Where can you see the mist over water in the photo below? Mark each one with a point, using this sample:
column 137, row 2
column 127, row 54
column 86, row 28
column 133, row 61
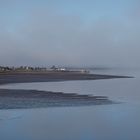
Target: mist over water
column 44, row 33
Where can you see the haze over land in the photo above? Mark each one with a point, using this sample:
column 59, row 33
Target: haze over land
column 77, row 33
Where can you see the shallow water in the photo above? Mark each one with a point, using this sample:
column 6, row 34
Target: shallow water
column 111, row 122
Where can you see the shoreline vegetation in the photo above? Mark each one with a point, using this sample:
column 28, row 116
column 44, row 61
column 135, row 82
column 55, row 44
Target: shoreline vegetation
column 23, row 99
column 29, row 69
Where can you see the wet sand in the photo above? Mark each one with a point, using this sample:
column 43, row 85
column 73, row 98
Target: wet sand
column 23, row 99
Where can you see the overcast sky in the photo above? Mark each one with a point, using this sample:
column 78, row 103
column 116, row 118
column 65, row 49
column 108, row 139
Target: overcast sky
column 70, row 32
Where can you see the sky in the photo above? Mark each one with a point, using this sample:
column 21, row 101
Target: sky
column 70, row 33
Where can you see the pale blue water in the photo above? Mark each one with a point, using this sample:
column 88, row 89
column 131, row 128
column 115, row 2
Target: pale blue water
column 106, row 122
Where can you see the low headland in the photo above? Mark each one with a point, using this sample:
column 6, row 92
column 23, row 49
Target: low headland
column 18, row 99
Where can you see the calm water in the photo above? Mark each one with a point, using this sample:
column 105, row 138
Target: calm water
column 106, row 122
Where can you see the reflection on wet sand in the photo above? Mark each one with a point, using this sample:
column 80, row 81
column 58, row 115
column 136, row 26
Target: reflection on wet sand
column 18, row 99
